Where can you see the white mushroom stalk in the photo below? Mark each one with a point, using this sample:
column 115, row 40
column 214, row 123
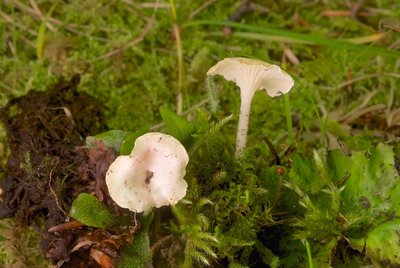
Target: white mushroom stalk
column 151, row 176
column 251, row 75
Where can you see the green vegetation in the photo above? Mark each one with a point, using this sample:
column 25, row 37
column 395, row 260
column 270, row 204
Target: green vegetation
column 318, row 185
column 19, row 246
column 83, row 209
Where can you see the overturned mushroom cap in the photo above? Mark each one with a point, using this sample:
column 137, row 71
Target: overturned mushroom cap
column 151, row 176
column 251, row 75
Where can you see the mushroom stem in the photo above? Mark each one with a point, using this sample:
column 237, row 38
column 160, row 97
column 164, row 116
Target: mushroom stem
column 251, row 75
column 241, row 135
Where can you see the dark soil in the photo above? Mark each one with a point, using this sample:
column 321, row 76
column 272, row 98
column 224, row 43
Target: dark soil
column 49, row 166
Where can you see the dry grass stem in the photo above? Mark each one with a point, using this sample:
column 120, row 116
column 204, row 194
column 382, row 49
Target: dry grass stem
column 40, row 15
column 150, row 24
column 201, row 8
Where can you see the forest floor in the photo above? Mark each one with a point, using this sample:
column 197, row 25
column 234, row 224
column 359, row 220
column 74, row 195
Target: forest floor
column 317, row 186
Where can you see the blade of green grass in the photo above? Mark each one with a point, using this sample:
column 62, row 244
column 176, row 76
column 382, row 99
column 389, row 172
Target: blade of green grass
column 179, row 52
column 262, row 37
column 309, row 255
column 256, row 32
column 42, row 33
column 288, row 113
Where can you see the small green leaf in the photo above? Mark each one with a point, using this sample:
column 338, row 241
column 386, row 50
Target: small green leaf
column 382, row 244
column 395, row 197
column 367, row 190
column 87, row 209
column 138, row 254
column 177, row 126
column 338, row 166
column 129, row 142
column 112, row 138
column 364, row 192
column 304, row 174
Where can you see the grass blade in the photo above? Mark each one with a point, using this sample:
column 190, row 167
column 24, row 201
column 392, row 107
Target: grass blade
column 296, row 37
column 42, row 32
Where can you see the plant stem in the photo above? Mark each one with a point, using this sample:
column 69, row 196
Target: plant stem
column 278, row 192
column 177, row 34
column 42, row 32
column 310, row 261
column 322, row 121
column 288, row 118
column 241, row 135
column 157, row 224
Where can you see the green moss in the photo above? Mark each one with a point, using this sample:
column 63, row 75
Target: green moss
column 19, row 246
column 141, row 76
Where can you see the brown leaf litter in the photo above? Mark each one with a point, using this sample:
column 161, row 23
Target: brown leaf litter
column 49, row 166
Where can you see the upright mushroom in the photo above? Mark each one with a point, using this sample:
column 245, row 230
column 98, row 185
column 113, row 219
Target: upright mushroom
column 251, row 75
column 151, row 176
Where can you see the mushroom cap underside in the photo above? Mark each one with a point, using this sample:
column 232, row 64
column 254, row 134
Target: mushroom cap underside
column 252, row 75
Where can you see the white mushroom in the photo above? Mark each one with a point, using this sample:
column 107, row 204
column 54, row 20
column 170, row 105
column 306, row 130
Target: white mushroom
column 251, row 75
column 151, row 176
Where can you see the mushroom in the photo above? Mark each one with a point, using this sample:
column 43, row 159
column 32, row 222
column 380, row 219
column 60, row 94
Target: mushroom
column 251, row 75
column 151, row 176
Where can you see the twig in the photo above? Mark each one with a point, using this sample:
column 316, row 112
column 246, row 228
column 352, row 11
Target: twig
column 274, row 152
column 8, row 19
column 147, row 5
column 148, row 27
column 352, row 81
column 6, row 87
column 278, row 191
column 393, row 75
column 363, row 104
column 239, row 13
column 242, row 10
column 395, row 45
column 40, row 15
column 154, row 5
column 356, row 7
column 280, row 171
column 160, row 242
column 364, row 77
column 70, row 27
column 65, row 226
column 392, row 27
column 201, row 8
column 281, row 222
column 52, row 191
column 290, row 54
column 361, row 112
column 348, row 78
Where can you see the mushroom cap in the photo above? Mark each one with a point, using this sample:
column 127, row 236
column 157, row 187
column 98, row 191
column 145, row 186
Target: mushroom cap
column 151, row 176
column 252, row 75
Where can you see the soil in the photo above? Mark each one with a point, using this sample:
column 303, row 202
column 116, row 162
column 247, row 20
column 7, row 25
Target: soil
column 49, row 166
